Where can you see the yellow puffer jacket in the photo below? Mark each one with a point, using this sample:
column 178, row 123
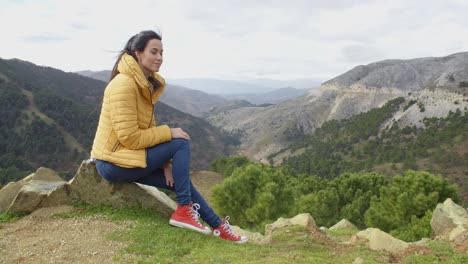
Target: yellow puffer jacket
column 126, row 124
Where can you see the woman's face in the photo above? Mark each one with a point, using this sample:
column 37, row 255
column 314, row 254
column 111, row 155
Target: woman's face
column 151, row 59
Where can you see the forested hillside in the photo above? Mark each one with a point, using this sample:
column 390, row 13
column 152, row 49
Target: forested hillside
column 49, row 118
column 368, row 142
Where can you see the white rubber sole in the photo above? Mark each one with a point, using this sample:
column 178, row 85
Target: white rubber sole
column 205, row 231
column 242, row 241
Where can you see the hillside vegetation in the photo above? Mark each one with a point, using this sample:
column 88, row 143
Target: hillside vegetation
column 256, row 194
column 369, row 142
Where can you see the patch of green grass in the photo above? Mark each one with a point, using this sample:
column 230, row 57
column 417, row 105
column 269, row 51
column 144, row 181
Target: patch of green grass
column 345, row 232
column 442, row 252
column 8, row 218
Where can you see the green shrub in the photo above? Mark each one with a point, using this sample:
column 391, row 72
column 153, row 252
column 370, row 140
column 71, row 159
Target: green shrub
column 254, row 195
column 407, row 199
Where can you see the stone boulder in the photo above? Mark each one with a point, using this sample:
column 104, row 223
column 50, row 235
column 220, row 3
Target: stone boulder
column 253, row 237
column 342, row 225
column 11, row 202
column 450, row 222
column 44, row 174
column 379, row 240
column 45, row 188
column 305, row 220
column 88, row 186
column 37, row 194
column 8, row 194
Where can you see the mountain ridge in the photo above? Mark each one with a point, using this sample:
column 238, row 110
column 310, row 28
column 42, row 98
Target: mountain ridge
column 351, row 93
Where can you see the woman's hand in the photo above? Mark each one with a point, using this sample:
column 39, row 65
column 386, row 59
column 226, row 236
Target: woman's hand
column 168, row 174
column 179, row 133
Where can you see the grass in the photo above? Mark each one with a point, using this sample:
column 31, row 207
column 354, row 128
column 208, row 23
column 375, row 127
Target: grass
column 8, row 218
column 345, row 232
column 152, row 240
column 442, row 252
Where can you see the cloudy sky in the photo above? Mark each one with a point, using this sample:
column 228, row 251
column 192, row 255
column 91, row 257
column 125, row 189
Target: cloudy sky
column 294, row 39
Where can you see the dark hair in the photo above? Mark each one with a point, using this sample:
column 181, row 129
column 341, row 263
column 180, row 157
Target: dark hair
column 137, row 43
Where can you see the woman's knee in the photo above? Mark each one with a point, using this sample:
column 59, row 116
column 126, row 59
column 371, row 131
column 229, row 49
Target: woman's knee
column 183, row 143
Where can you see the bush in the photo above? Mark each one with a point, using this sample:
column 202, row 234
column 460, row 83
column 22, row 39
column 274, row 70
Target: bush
column 416, row 229
column 403, row 205
column 227, row 165
column 254, row 195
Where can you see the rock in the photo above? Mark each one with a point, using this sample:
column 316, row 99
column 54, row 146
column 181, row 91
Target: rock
column 323, row 228
column 266, row 240
column 45, row 174
column 450, row 222
column 36, row 194
column 253, row 237
column 48, row 211
column 8, row 194
column 342, row 224
column 90, row 187
column 305, row 220
column 358, row 260
column 379, row 240
column 449, row 219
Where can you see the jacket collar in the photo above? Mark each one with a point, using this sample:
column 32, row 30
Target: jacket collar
column 129, row 66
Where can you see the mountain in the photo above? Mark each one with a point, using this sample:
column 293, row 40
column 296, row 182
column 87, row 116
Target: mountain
column 221, row 87
column 436, row 85
column 197, row 96
column 193, row 102
column 98, row 75
column 49, row 118
column 273, row 97
column 408, row 75
column 277, row 84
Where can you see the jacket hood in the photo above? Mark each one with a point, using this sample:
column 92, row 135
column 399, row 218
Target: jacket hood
column 129, row 66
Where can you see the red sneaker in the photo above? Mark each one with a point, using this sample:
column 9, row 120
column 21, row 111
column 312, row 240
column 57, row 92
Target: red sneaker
column 186, row 216
column 224, row 231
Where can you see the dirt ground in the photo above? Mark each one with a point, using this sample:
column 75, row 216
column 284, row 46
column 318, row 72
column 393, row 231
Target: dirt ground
column 40, row 239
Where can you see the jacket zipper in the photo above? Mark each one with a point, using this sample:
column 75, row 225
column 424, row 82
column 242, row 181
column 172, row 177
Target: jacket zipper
column 115, row 146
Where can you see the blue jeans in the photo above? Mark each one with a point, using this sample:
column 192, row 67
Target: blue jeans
column 179, row 151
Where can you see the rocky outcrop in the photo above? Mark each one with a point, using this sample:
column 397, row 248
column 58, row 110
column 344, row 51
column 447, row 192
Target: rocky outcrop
column 408, row 75
column 8, row 194
column 342, row 224
column 450, row 222
column 37, row 194
column 379, row 240
column 45, row 188
column 305, row 220
column 90, row 187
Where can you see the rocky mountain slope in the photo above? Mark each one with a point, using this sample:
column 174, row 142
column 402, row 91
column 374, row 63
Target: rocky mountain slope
column 274, row 97
column 437, row 84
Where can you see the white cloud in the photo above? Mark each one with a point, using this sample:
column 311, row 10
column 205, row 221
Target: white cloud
column 242, row 39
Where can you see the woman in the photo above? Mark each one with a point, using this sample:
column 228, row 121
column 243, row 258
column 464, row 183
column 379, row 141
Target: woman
column 129, row 147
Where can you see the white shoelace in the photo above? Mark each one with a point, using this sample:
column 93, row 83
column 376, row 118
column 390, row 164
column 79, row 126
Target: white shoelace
column 195, row 214
column 227, row 226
